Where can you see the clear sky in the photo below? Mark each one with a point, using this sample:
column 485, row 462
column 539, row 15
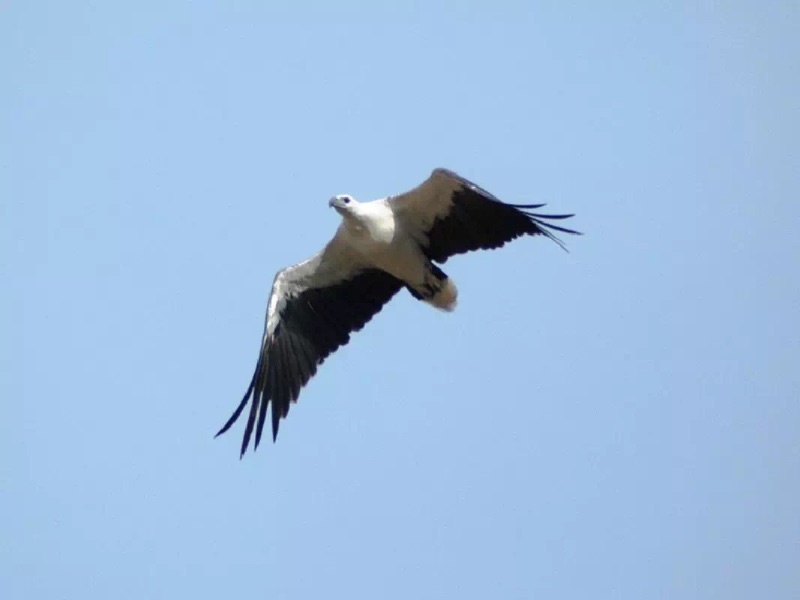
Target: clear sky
column 619, row 421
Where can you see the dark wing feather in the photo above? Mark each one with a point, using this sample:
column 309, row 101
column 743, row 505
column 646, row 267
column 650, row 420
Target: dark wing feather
column 452, row 215
column 312, row 324
column 478, row 222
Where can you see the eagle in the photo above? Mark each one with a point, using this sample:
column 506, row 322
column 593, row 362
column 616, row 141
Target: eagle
column 380, row 247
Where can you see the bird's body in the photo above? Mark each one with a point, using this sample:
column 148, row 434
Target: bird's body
column 380, row 247
column 379, row 238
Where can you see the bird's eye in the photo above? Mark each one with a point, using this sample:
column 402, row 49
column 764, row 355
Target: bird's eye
column 346, row 200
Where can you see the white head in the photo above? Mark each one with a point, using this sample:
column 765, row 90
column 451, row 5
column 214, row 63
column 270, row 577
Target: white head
column 344, row 204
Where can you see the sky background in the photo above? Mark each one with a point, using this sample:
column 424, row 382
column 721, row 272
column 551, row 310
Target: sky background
column 619, row 421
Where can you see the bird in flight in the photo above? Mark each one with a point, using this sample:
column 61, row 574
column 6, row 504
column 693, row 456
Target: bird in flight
column 379, row 248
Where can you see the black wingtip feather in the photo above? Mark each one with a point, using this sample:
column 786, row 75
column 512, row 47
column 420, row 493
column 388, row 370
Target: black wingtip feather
column 276, row 422
column 262, row 413
column 251, row 421
column 542, row 227
column 240, row 408
column 541, row 216
column 563, row 229
column 527, row 206
column 538, row 220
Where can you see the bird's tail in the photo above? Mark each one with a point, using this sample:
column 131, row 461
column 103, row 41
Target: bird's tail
column 446, row 297
column 438, row 289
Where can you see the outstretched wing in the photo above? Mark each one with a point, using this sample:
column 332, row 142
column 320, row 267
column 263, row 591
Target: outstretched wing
column 313, row 309
column 449, row 215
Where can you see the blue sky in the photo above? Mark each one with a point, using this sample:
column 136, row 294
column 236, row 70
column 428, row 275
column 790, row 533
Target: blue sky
column 619, row 421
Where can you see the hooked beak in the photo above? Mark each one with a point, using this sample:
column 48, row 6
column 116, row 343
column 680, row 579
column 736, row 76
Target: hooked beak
column 332, row 202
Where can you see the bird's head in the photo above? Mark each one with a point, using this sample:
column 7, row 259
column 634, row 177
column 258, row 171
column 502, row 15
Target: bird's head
column 343, row 203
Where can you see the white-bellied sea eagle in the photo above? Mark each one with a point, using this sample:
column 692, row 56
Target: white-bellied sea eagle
column 379, row 248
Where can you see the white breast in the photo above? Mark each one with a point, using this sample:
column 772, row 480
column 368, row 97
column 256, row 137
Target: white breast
column 378, row 219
